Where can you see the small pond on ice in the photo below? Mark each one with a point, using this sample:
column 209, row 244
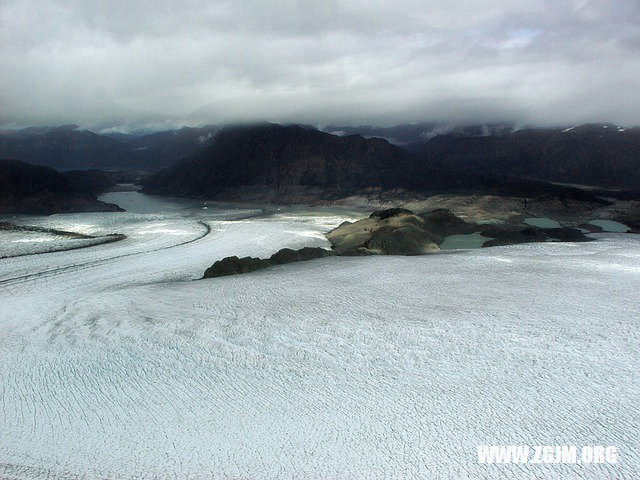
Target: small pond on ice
column 542, row 222
column 472, row 240
column 610, row 226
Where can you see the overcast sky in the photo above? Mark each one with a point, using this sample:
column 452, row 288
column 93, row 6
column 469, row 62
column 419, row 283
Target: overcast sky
column 99, row 63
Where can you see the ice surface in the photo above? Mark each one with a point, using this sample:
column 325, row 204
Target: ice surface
column 115, row 363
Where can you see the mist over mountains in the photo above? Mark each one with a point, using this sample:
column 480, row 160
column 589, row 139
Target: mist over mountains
column 69, row 147
column 592, row 154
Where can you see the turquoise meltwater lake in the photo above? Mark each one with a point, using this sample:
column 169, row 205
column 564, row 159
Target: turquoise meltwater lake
column 610, row 226
column 472, row 240
column 542, row 222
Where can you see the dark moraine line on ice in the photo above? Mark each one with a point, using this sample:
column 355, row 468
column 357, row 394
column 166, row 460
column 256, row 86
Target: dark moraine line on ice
column 32, row 228
column 102, row 261
column 110, row 238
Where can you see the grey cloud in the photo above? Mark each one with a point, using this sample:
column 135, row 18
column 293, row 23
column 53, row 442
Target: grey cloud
column 378, row 61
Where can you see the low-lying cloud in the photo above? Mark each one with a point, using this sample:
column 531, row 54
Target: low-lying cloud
column 102, row 64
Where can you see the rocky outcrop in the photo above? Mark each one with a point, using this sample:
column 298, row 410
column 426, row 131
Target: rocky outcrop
column 397, row 231
column 234, row 265
column 388, row 232
column 401, row 232
column 287, row 255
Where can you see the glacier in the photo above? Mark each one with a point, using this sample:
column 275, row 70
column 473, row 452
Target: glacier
column 117, row 361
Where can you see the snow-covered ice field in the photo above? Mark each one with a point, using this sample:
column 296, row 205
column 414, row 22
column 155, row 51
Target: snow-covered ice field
column 115, row 362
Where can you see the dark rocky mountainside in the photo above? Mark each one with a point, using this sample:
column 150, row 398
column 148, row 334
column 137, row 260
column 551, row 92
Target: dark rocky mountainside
column 274, row 163
column 159, row 150
column 447, row 157
column 602, row 155
column 40, row 190
column 269, row 161
column 278, row 158
column 590, row 154
column 92, row 181
column 99, row 181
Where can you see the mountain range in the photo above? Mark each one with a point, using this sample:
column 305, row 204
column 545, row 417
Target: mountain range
column 274, row 163
column 592, row 154
column 69, row 147
column 412, row 136
column 300, row 163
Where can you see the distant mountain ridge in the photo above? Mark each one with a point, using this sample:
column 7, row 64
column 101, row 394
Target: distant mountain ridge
column 411, row 135
column 66, row 147
column 592, row 154
column 69, row 148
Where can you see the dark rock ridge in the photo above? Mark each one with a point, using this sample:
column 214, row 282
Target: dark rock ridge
column 40, row 190
column 234, row 265
column 514, row 235
column 273, row 163
column 276, row 158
